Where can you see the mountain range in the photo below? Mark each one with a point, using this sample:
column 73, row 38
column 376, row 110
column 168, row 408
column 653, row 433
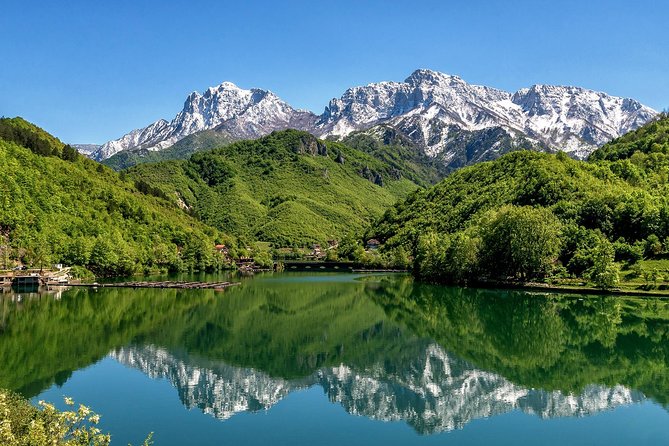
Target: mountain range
column 440, row 115
column 434, row 392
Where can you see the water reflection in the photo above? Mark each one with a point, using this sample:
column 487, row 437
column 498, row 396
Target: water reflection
column 434, row 392
column 383, row 347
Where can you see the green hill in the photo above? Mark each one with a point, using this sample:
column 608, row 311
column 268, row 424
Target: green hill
column 287, row 188
column 530, row 215
column 28, row 135
column 389, row 145
column 652, row 138
column 78, row 212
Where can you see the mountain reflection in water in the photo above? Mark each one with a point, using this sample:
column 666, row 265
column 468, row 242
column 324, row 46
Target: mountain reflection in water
column 383, row 347
column 435, row 392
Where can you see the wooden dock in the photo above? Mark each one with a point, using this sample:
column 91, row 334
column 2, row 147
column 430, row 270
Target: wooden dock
column 168, row 284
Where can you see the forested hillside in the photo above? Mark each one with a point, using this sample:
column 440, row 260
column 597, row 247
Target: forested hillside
column 531, row 215
column 59, row 207
column 288, row 188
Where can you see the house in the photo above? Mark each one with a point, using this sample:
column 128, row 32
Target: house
column 222, row 249
column 316, row 252
column 373, row 244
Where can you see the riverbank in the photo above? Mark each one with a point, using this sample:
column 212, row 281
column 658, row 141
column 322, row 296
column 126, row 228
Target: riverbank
column 574, row 289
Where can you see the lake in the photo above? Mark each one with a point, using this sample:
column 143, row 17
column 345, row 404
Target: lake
column 345, row 359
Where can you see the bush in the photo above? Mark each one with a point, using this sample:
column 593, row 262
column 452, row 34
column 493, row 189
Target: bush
column 24, row 425
column 624, row 252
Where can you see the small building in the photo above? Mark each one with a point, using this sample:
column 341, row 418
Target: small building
column 222, row 249
column 373, row 244
column 316, row 252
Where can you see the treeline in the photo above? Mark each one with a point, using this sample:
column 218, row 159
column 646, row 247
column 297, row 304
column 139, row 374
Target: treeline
column 81, row 213
column 28, row 135
column 530, row 216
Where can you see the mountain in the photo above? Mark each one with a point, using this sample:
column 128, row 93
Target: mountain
column 432, row 108
column 442, row 116
column 288, row 188
column 182, row 149
column 243, row 114
column 86, row 149
column 59, row 207
column 434, row 392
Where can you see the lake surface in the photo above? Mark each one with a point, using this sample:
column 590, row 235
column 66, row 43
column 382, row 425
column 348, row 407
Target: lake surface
column 346, row 359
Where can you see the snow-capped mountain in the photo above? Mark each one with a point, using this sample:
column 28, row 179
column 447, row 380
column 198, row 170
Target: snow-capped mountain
column 86, row 149
column 433, row 392
column 243, row 114
column 435, row 111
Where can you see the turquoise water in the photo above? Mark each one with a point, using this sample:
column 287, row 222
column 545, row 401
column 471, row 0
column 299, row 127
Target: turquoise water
column 341, row 358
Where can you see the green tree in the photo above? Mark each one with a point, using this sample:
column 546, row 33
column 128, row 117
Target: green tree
column 605, row 273
column 521, row 241
column 350, row 248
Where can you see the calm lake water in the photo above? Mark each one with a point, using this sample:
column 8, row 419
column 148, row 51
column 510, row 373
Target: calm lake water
column 346, row 359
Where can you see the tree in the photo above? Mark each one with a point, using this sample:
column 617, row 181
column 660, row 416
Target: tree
column 430, row 259
column 521, row 241
column 350, row 248
column 605, row 273
column 69, row 153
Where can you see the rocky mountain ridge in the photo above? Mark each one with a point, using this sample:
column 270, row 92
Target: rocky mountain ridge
column 432, row 109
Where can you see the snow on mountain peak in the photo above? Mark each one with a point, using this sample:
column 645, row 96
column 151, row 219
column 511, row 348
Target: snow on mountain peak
column 430, row 108
column 244, row 113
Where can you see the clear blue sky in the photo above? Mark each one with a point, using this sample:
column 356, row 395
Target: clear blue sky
column 89, row 71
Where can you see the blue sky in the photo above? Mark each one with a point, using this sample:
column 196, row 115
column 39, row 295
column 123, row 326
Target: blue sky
column 89, row 71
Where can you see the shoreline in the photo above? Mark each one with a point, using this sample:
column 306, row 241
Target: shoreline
column 534, row 286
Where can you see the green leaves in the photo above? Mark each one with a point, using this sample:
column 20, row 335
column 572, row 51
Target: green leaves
column 520, row 241
column 535, row 213
column 78, row 212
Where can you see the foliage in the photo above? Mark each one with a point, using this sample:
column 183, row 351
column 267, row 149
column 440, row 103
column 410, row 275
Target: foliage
column 520, row 240
column 574, row 205
column 24, row 425
column 78, row 212
column 286, row 188
column 26, row 134
column 604, row 271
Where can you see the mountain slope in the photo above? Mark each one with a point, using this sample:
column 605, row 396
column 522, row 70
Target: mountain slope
column 288, row 188
column 77, row 212
column 559, row 215
column 443, row 116
column 652, row 138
